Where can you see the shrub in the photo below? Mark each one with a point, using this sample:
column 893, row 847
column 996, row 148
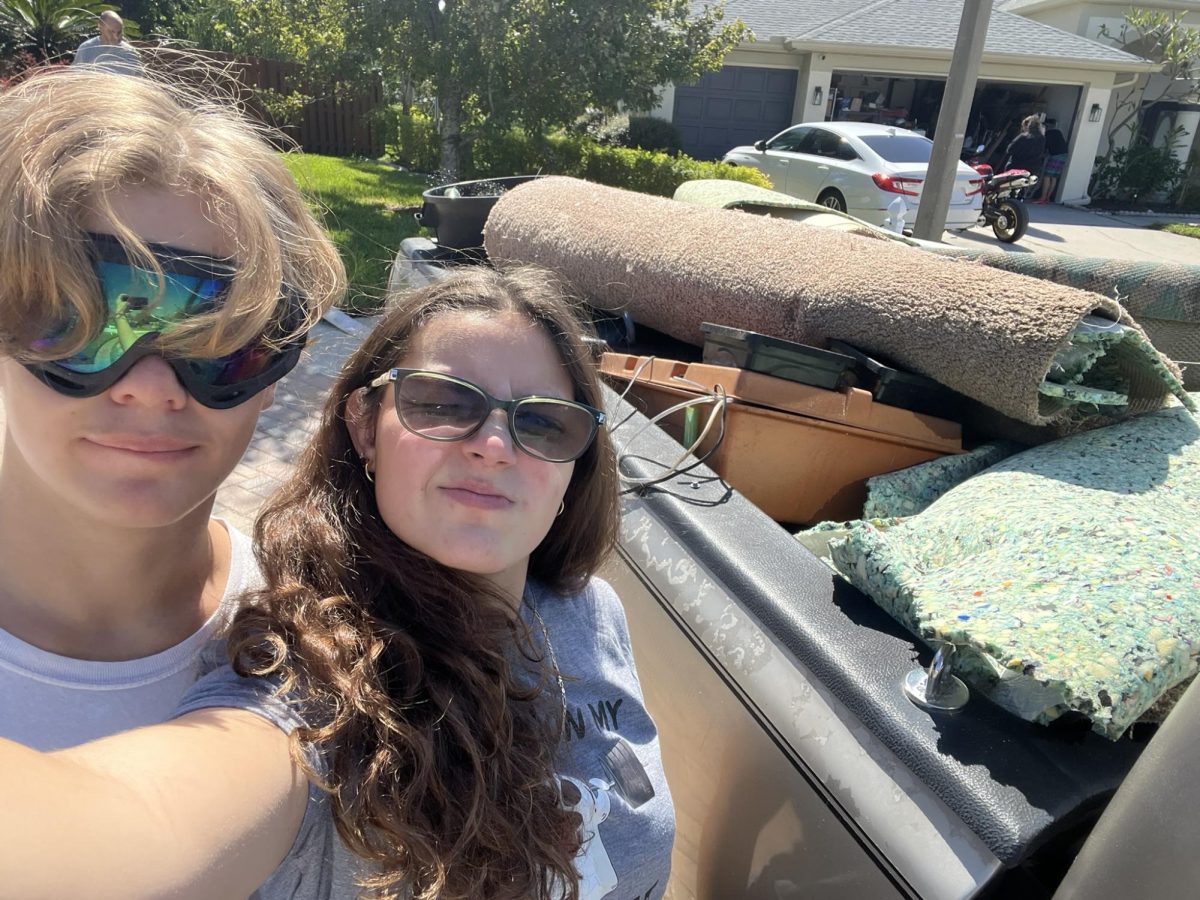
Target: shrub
column 652, row 133
column 650, row 172
column 1139, row 171
column 516, row 152
column 14, row 66
column 411, row 139
column 284, row 110
column 646, row 171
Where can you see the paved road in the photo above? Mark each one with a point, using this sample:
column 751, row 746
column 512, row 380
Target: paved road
column 1080, row 232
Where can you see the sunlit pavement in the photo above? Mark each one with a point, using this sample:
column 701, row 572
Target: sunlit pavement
column 1054, row 228
column 284, row 429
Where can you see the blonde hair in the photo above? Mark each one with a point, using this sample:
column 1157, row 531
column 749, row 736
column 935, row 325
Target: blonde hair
column 72, row 139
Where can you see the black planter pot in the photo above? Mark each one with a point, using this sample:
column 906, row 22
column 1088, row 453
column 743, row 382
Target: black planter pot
column 457, row 212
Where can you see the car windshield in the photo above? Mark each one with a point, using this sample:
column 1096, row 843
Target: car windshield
column 899, row 148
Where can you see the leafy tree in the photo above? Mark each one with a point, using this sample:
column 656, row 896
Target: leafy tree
column 1161, row 37
column 322, row 35
column 313, row 32
column 541, row 63
column 152, row 16
column 48, row 29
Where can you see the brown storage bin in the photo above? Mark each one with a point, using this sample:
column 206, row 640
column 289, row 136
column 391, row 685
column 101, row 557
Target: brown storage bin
column 802, row 454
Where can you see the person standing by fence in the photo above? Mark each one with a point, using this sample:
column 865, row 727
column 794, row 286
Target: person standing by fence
column 109, row 50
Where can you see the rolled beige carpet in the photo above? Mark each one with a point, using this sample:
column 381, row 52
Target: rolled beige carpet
column 989, row 334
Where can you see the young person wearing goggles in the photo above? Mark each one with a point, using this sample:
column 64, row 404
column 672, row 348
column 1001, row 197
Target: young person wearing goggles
column 431, row 602
column 158, row 274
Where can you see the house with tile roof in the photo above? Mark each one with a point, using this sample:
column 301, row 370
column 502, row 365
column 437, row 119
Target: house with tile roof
column 886, row 61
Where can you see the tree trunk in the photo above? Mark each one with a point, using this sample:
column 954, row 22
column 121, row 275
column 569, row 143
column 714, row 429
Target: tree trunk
column 450, row 105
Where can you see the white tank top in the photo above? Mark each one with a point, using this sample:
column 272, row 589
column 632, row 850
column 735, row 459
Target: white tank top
column 49, row 702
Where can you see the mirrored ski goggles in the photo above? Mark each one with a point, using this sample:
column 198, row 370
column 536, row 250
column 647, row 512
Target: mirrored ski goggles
column 140, row 308
column 444, row 408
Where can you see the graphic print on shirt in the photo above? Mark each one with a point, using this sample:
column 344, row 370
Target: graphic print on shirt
column 597, row 877
column 624, row 776
column 608, row 767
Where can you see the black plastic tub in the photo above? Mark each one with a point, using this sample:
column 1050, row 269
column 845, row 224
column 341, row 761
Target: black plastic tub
column 456, row 212
column 725, row 346
column 895, row 387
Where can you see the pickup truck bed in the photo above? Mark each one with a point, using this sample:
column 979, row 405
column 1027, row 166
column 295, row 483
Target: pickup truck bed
column 944, row 804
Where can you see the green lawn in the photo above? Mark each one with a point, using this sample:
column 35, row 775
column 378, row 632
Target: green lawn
column 359, row 202
column 1178, row 228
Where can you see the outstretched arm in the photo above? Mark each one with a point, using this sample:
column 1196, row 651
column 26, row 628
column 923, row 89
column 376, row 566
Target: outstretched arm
column 204, row 806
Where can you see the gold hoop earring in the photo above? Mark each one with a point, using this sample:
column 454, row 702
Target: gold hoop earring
column 367, row 471
column 562, row 508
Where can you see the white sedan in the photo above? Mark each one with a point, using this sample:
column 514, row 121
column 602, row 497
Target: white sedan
column 861, row 169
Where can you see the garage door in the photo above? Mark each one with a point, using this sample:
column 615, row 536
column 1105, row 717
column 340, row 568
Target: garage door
column 737, row 105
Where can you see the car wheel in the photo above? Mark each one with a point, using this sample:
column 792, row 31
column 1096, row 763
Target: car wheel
column 834, row 200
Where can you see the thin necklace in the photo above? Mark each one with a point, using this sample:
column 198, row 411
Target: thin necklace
column 562, row 688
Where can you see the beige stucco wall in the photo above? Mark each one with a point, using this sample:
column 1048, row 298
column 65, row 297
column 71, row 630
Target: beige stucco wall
column 1068, row 18
column 1084, row 18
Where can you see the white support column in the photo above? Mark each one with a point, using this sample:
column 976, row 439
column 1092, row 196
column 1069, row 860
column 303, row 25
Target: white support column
column 1085, row 144
column 816, row 72
column 666, row 104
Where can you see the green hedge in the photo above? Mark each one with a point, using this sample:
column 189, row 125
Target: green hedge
column 653, row 133
column 415, row 144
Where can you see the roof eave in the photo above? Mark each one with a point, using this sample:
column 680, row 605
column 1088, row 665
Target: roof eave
column 1043, row 5
column 1134, row 64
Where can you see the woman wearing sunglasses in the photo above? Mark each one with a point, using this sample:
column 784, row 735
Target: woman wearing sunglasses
column 158, row 273
column 430, row 595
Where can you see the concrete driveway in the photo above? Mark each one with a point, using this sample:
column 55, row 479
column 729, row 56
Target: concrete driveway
column 1080, row 232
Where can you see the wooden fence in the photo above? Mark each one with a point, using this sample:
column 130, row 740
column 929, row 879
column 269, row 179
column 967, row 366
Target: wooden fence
column 336, row 123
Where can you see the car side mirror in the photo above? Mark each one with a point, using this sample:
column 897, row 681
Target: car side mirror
column 760, row 145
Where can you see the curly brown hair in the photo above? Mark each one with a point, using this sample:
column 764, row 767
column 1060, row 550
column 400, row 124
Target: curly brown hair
column 441, row 756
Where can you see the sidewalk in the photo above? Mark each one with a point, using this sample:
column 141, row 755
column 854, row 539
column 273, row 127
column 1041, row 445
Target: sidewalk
column 1081, row 232
column 284, row 429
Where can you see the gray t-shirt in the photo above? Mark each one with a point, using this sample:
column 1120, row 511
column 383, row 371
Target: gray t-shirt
column 120, row 58
column 307, row 873
column 629, row 820
column 610, row 752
